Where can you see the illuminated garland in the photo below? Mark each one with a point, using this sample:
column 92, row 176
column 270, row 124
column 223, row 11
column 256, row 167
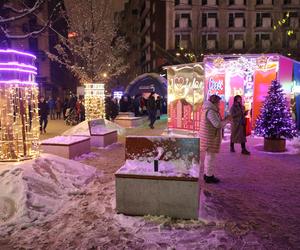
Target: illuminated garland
column 283, row 21
column 19, row 121
column 94, row 100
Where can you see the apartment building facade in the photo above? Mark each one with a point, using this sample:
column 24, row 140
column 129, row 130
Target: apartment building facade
column 216, row 26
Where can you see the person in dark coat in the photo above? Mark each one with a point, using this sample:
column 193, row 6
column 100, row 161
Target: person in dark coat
column 158, row 107
column 114, row 109
column 136, row 105
column 43, row 113
column 65, row 107
column 51, row 104
column 124, row 104
column 58, row 107
column 238, row 125
column 151, row 108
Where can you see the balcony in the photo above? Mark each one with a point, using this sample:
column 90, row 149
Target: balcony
column 184, row 5
column 211, row 44
column 293, row 44
column 211, row 2
column 183, row 24
column 238, row 44
column 239, row 22
column 266, row 22
column 266, row 4
column 265, row 44
column 239, row 2
column 294, row 22
column 211, row 23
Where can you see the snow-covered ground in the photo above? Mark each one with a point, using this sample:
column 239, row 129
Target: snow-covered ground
column 62, row 204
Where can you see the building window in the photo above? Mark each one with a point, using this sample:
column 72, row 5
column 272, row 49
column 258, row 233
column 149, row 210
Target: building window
column 237, row 2
column 264, row 2
column 290, row 41
column 236, row 41
column 182, row 41
column 210, row 20
column 263, row 20
column 293, row 20
column 183, row 20
column 263, row 41
column 210, row 42
column 183, row 2
column 210, row 2
column 237, row 20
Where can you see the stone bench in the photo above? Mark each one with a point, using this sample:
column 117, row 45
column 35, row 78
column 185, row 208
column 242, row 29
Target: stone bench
column 171, row 191
column 67, row 146
column 100, row 135
column 104, row 138
column 130, row 121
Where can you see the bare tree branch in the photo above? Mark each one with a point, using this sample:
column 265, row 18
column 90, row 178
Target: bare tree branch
column 33, row 33
column 24, row 13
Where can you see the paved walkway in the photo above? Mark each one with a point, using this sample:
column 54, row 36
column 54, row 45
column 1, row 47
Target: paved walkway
column 54, row 128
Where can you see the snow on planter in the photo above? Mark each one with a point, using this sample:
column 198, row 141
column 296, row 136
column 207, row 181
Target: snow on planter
column 67, row 146
column 160, row 177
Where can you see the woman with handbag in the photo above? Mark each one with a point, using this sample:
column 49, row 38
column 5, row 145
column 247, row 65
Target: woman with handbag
column 238, row 125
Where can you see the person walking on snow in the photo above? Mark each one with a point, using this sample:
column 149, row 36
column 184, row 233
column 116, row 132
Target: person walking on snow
column 43, row 113
column 151, row 107
column 238, row 125
column 51, row 104
column 211, row 125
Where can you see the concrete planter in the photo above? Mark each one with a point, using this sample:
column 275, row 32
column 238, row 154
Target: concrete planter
column 177, row 197
column 274, row 145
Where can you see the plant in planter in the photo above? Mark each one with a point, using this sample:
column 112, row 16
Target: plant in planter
column 275, row 122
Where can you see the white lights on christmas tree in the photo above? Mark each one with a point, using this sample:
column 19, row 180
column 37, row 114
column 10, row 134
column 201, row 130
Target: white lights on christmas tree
column 94, row 95
column 19, row 121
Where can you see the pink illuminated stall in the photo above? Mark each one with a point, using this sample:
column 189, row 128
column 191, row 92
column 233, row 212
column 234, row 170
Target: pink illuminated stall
column 225, row 75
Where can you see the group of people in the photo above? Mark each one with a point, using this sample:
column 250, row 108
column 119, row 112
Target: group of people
column 151, row 106
column 72, row 108
column 211, row 125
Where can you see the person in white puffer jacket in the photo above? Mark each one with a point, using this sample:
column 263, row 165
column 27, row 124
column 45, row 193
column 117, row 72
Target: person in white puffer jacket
column 211, row 125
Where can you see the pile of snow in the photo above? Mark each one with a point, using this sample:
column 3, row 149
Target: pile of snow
column 83, row 128
column 64, row 139
column 32, row 190
column 172, row 168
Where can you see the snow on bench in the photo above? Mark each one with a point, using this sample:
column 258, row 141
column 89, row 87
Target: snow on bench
column 67, row 146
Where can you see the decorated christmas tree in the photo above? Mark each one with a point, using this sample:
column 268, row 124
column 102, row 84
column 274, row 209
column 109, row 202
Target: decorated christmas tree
column 275, row 120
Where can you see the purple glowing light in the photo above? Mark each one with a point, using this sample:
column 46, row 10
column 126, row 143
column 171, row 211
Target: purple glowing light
column 17, row 52
column 18, row 82
column 18, row 70
column 18, row 64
